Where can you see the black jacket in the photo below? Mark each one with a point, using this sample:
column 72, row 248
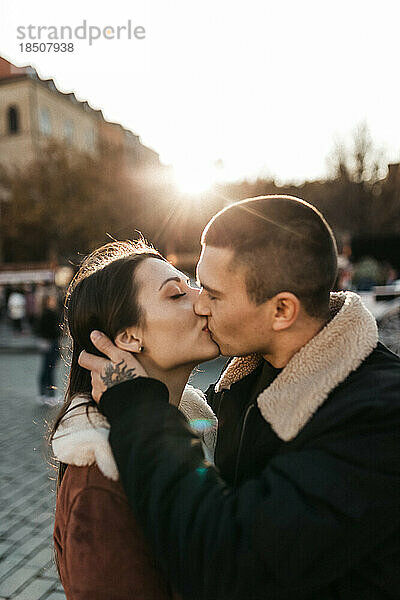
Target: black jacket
column 245, row 438
column 319, row 516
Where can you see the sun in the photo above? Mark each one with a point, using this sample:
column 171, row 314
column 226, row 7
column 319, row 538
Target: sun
column 193, row 179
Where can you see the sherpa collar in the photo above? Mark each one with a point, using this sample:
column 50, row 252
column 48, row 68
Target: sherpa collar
column 315, row 370
column 82, row 436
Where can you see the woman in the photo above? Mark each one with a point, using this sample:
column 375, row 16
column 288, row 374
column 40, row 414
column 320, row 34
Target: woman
column 145, row 305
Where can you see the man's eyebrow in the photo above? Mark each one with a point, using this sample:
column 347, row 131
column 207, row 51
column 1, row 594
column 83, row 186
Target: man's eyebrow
column 178, row 279
column 210, row 290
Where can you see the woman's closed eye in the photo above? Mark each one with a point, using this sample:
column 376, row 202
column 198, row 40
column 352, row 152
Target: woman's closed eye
column 176, row 296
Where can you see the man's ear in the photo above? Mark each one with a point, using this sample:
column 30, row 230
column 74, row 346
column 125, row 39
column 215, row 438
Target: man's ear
column 129, row 339
column 286, row 310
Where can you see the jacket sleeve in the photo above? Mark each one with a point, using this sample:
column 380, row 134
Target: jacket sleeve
column 104, row 554
column 312, row 515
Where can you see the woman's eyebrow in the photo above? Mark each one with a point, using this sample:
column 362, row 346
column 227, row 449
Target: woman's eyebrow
column 169, row 279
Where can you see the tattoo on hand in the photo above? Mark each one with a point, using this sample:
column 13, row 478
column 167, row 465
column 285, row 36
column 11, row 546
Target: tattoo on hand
column 117, row 373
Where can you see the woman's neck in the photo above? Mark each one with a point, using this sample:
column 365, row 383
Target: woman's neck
column 174, row 379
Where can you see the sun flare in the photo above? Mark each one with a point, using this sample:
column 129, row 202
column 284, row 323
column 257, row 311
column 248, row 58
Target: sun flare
column 193, row 179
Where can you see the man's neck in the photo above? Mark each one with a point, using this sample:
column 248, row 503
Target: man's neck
column 289, row 343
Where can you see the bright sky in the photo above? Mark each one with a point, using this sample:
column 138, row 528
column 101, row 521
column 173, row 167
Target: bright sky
column 266, row 87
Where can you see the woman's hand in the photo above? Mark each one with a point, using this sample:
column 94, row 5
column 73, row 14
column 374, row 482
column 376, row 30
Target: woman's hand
column 122, row 365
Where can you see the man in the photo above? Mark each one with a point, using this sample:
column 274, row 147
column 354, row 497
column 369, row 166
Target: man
column 304, row 503
column 49, row 331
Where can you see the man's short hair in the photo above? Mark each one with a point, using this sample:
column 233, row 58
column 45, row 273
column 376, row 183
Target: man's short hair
column 285, row 245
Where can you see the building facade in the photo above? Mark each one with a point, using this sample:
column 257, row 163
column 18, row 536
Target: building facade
column 34, row 112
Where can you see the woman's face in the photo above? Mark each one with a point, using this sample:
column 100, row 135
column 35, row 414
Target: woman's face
column 172, row 334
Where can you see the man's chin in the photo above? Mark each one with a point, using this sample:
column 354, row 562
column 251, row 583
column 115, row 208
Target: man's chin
column 230, row 352
column 216, row 343
column 223, row 351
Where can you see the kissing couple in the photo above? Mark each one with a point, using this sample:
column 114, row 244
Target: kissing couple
column 283, row 480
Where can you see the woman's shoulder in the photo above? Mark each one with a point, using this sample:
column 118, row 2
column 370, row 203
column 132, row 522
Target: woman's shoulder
column 81, row 439
column 94, row 528
column 84, row 489
column 87, row 479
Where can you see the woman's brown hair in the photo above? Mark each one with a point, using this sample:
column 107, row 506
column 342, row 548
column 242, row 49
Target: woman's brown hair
column 102, row 296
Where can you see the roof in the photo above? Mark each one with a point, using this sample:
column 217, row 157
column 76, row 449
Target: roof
column 10, row 73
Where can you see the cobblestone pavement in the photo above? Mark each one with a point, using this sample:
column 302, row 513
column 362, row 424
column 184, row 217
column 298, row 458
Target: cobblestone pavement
column 27, row 479
column 27, row 497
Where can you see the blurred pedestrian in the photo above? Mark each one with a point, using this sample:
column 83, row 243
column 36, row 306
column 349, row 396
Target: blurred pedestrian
column 16, row 309
column 344, row 274
column 48, row 330
column 367, row 273
column 30, row 304
column 40, row 293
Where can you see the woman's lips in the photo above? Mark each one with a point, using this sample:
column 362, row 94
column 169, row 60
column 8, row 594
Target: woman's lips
column 208, row 331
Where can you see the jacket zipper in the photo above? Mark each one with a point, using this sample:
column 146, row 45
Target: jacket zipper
column 219, row 404
column 241, row 442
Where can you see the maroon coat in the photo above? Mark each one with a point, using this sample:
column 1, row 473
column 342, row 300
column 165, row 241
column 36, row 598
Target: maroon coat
column 101, row 551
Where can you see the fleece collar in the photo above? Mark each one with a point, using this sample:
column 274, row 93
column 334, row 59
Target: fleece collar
column 81, row 438
column 315, row 370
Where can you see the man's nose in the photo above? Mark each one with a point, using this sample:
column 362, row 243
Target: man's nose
column 201, row 306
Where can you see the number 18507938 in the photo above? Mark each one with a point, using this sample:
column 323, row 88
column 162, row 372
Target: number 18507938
column 46, row 47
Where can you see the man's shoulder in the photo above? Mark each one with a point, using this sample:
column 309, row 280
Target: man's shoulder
column 371, row 390
column 380, row 368
column 382, row 355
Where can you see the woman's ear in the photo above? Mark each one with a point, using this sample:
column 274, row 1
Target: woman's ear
column 129, row 339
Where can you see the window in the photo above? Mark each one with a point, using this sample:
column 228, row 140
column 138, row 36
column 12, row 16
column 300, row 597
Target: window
column 69, row 131
column 44, row 121
column 13, row 120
